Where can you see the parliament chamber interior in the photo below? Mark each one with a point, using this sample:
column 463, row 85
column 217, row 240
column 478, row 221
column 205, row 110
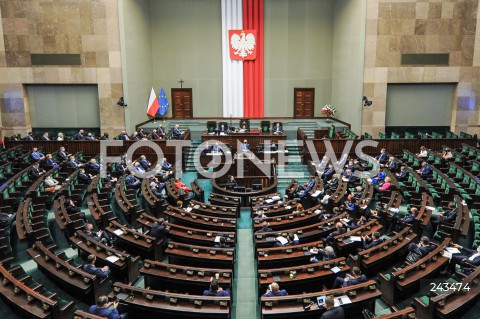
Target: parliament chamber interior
column 239, row 159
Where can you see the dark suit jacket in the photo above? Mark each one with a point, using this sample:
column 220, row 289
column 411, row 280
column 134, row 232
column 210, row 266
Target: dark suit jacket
column 62, row 155
column 176, row 132
column 371, row 244
column 79, row 137
column 334, row 313
column 471, row 252
column 402, row 175
column 159, row 231
column 95, row 271
column 409, row 218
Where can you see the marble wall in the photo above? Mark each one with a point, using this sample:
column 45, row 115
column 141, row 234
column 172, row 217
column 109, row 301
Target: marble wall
column 395, row 27
column 85, row 27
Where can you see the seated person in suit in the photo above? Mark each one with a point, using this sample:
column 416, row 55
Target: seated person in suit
column 274, row 290
column 29, row 136
column 161, row 131
column 339, row 229
column 216, row 148
column 141, row 133
column 62, row 153
column 154, row 135
column 222, row 128
column 383, row 157
column 449, row 216
column 424, row 246
column 103, row 272
column 277, row 128
column 157, row 189
column 132, row 181
column 391, row 164
column 356, row 277
column 244, row 126
column 90, row 137
column 407, row 220
column 332, row 312
column 109, row 180
column 94, row 166
column 328, row 173
column 145, row 163
column 402, row 175
column 231, row 182
column 138, row 168
column 244, row 147
column 36, row 171
column 160, row 230
column 49, row 162
column 99, row 236
column 265, row 228
column 306, row 188
column 120, row 168
column 166, row 166
column 215, row 289
column 322, row 254
column 176, row 132
column 36, row 155
column 292, row 239
column 425, row 171
column 124, row 136
column 84, row 177
column 105, row 137
column 102, row 309
column 467, row 258
column 348, row 177
column 180, row 185
column 79, row 136
column 221, row 243
column 135, row 136
column 369, row 242
column 73, row 163
column 45, row 137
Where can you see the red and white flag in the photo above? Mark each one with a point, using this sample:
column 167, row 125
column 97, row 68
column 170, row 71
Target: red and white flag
column 243, row 44
column 152, row 106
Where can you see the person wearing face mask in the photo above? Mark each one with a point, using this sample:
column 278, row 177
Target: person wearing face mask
column 470, row 259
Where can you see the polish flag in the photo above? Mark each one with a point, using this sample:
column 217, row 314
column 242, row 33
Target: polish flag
column 152, row 106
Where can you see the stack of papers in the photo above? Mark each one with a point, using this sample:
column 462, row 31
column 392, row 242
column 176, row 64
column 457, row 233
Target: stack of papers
column 355, row 238
column 342, row 300
column 282, row 240
column 269, row 201
column 118, row 232
column 113, row 259
column 316, row 193
column 276, row 197
column 188, row 209
column 452, row 250
column 335, row 270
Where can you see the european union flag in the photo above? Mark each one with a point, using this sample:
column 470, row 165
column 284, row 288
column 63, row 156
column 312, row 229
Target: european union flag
column 163, row 102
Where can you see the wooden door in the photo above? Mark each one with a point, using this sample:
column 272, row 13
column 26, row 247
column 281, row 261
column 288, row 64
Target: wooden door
column 303, row 103
column 182, row 105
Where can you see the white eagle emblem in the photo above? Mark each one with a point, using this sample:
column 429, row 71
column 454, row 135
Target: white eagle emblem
column 243, row 45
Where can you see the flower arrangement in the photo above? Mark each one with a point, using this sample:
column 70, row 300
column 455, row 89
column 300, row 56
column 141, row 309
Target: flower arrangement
column 328, row 110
